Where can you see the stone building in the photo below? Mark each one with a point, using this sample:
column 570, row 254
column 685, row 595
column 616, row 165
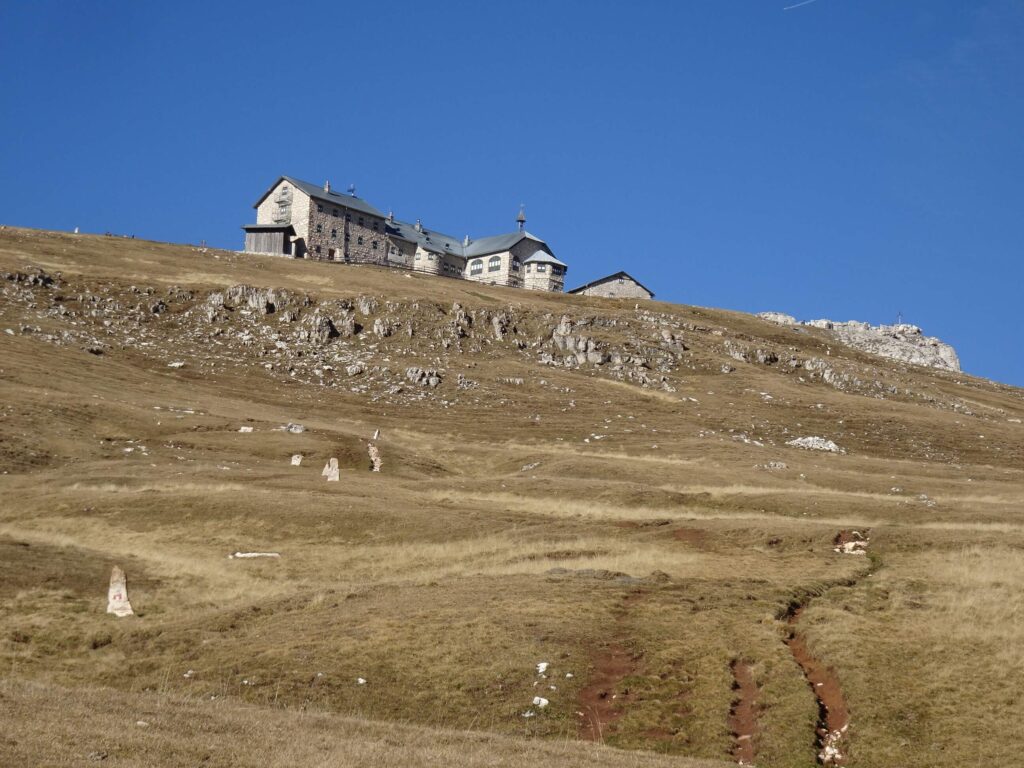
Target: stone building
column 301, row 220
column 618, row 286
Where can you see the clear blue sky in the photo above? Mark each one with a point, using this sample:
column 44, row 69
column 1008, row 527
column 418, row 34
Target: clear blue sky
column 848, row 159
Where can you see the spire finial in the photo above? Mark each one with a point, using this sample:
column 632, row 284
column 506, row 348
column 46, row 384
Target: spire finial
column 521, row 218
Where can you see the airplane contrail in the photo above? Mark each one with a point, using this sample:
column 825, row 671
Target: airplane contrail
column 805, row 2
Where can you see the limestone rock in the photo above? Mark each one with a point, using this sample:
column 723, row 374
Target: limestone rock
column 117, row 594
column 903, row 342
column 815, row 444
column 331, row 471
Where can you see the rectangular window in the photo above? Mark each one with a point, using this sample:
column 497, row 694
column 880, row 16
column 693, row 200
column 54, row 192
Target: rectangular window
column 318, row 249
column 319, row 228
column 334, row 213
column 375, row 226
column 334, row 233
column 361, row 221
column 319, row 208
column 542, row 267
column 374, row 245
column 359, row 240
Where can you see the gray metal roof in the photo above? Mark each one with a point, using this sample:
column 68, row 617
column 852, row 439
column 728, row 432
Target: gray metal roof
column 318, row 192
column 428, row 239
column 498, row 243
column 543, row 257
column 614, row 276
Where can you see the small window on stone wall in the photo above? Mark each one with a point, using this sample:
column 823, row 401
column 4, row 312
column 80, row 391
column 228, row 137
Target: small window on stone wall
column 476, row 267
column 319, row 208
column 494, row 264
column 374, row 245
column 334, row 213
column 542, row 267
column 319, row 228
column 334, row 233
column 359, row 240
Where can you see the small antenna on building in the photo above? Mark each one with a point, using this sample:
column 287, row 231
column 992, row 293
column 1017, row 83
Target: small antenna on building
column 327, row 186
column 521, row 218
column 899, row 318
column 352, row 189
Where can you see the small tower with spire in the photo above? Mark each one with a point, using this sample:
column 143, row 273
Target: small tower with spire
column 521, row 218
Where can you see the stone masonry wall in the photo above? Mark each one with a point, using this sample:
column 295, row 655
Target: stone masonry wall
column 297, row 213
column 352, row 235
column 620, row 288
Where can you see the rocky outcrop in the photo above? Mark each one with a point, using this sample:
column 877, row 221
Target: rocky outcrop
column 903, row 342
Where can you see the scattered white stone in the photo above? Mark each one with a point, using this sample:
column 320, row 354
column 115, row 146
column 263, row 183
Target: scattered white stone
column 245, row 429
column 297, row 460
column 250, row 555
column 331, row 471
column 542, row 667
column 117, row 594
column 176, row 364
column 189, row 674
column 374, row 453
column 529, row 713
column 540, row 702
column 815, row 444
column 360, row 681
column 142, row 723
column 295, row 429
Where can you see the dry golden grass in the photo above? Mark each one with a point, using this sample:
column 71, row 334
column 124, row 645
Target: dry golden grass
column 445, row 579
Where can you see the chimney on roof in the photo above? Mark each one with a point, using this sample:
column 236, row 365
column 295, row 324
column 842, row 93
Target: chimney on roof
column 419, row 226
column 521, row 218
column 465, row 241
column 391, row 216
column 327, row 186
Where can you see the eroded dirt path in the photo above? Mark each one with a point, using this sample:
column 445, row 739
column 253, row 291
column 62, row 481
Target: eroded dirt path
column 833, row 714
column 743, row 713
column 603, row 701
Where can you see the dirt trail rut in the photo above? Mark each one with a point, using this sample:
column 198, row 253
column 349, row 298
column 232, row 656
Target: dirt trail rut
column 743, row 713
column 833, row 714
column 602, row 703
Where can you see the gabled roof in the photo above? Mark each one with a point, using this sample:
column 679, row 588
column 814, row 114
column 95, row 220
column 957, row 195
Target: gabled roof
column 333, row 198
column 429, row 240
column 498, row 243
column 543, row 257
column 607, row 278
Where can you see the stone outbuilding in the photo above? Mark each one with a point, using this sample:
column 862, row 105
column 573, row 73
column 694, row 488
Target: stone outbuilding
column 620, row 285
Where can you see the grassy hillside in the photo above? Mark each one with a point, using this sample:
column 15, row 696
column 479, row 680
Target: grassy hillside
column 601, row 486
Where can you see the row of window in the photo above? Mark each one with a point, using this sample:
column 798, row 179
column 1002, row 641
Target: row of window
column 374, row 225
